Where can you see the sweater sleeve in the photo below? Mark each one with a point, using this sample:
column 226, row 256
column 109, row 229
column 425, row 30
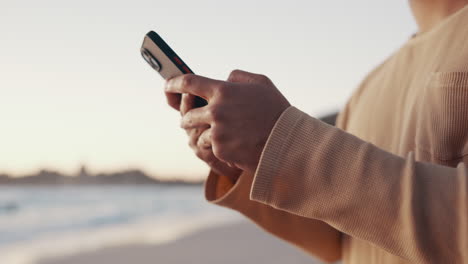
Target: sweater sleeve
column 313, row 236
column 414, row 210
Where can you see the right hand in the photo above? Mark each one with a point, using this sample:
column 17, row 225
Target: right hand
column 203, row 150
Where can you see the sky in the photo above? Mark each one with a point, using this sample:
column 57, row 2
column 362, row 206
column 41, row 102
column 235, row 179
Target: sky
column 75, row 91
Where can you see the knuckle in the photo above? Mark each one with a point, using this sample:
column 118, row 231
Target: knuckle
column 188, row 80
column 193, row 138
column 215, row 114
column 185, row 121
column 203, row 143
column 263, row 78
column 234, row 74
column 221, row 154
column 221, row 89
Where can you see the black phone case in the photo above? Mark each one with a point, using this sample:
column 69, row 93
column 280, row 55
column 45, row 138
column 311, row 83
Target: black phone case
column 170, row 65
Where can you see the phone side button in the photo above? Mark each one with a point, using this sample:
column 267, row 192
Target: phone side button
column 177, row 60
column 186, row 69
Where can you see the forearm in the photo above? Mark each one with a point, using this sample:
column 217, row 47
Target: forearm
column 315, row 237
column 414, row 210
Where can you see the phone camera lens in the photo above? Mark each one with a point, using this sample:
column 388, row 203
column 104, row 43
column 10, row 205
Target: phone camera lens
column 151, row 59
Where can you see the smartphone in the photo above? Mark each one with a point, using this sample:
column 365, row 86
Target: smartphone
column 164, row 60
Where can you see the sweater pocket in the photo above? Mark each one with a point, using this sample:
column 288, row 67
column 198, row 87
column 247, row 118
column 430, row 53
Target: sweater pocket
column 442, row 129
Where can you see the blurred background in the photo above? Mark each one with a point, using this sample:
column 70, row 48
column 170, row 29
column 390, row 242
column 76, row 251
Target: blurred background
column 93, row 165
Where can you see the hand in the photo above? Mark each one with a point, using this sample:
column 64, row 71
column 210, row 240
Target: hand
column 185, row 103
column 240, row 114
column 206, row 154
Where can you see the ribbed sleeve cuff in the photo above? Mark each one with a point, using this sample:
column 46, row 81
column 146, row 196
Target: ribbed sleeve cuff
column 273, row 153
column 221, row 191
column 216, row 187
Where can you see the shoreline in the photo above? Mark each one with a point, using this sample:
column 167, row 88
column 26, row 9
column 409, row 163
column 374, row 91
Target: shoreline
column 230, row 243
column 150, row 231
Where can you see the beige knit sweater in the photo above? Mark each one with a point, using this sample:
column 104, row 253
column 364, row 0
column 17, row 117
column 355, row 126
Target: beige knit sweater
column 373, row 190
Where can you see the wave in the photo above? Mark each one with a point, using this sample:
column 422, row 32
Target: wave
column 8, row 207
column 151, row 230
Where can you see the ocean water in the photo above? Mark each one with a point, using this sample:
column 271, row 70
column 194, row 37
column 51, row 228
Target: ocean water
column 50, row 221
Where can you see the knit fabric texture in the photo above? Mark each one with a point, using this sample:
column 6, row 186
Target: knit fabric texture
column 389, row 183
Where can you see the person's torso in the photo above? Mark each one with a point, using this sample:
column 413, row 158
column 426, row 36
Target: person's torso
column 413, row 103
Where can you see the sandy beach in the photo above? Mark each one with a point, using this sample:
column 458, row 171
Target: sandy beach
column 231, row 244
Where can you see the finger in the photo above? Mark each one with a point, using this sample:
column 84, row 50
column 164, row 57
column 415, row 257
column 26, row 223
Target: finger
column 193, row 84
column 232, row 165
column 187, row 103
column 194, row 135
column 239, row 76
column 196, row 118
column 204, row 140
column 173, row 100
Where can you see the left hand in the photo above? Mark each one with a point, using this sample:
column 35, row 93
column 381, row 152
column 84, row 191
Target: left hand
column 205, row 153
column 240, row 114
